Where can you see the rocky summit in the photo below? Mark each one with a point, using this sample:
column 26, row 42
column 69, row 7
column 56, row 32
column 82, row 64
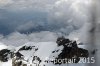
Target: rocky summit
column 44, row 53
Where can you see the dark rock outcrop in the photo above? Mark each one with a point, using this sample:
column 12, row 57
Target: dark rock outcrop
column 5, row 54
column 70, row 50
column 25, row 48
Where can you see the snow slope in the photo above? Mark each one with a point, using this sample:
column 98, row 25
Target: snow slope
column 41, row 51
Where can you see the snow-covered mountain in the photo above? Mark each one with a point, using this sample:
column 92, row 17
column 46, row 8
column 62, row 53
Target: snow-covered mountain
column 42, row 53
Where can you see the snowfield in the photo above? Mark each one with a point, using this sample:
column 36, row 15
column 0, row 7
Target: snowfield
column 9, row 63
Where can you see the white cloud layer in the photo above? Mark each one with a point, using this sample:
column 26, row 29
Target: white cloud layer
column 17, row 39
column 68, row 17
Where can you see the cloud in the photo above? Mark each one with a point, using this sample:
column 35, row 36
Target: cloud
column 17, row 39
column 56, row 10
column 26, row 26
column 5, row 2
column 27, row 4
column 43, row 18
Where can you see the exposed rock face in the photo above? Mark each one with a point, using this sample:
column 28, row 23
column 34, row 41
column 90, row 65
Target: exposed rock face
column 18, row 62
column 71, row 50
column 18, row 55
column 26, row 48
column 19, row 58
column 62, row 41
column 5, row 54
